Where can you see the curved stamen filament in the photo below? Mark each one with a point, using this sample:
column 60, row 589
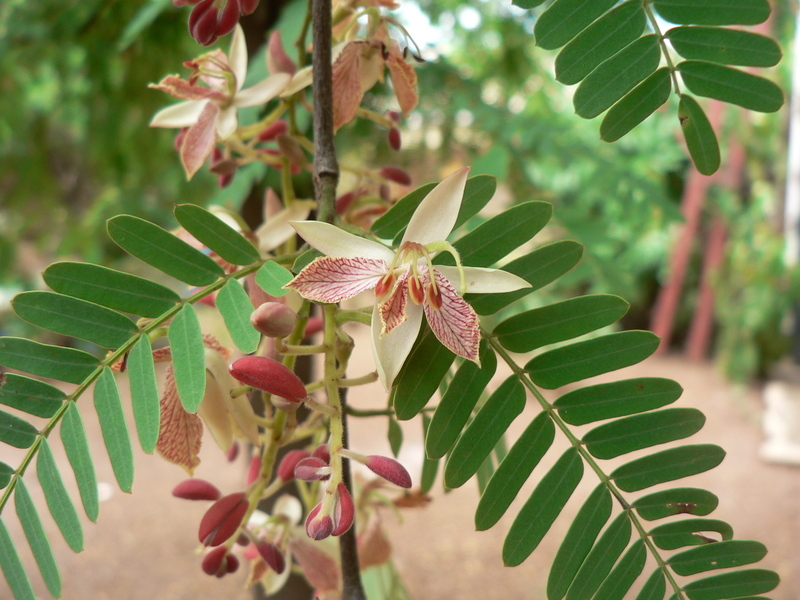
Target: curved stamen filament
column 447, row 247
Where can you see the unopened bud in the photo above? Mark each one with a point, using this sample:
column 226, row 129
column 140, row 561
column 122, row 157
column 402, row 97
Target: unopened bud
column 312, row 469
column 231, row 563
column 318, row 527
column 196, row 489
column 215, row 563
column 279, row 127
column 396, row 174
column 389, row 469
column 272, row 556
column 270, row 376
column 395, row 141
column 223, row 519
column 345, row 510
column 233, row 452
column 322, row 452
column 289, row 462
column 248, row 7
column 273, row 319
column 207, row 22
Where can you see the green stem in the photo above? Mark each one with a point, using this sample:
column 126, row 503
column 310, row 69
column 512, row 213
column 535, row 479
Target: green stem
column 648, row 10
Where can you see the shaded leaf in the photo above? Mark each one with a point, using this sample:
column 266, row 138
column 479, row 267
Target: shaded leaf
column 37, row 538
column 216, row 235
column 51, row 362
column 514, row 470
column 143, row 18
column 484, row 473
column 689, row 532
column 12, row 568
column 73, row 436
column 582, row 360
column 617, row 76
column 162, row 250
column 114, row 289
column 542, row 266
column 235, row 307
column 484, row 432
column 395, row 436
column 732, row 585
column 725, row 46
column 600, row 41
column 58, row 501
column 542, row 508
column 144, row 393
column 636, row 106
column 667, row 465
column 30, row 395
column 676, row 501
column 272, row 276
column 601, row 558
column 430, row 466
column 731, row 85
column 578, row 542
column 188, row 357
column 654, row 588
column 455, row 407
column 616, row 399
column 621, row 578
column 699, row 135
column 565, row 19
column 15, row 431
column 559, row 322
column 108, row 405
column 6, row 473
column 720, row 555
column 527, row 3
column 713, row 12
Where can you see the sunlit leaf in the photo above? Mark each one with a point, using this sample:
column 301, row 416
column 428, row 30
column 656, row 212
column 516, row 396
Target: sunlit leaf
column 636, row 106
column 235, row 307
column 37, row 538
column 689, row 532
column 719, row 555
column 51, row 362
column 12, row 568
column 58, row 500
column 272, row 277
column 108, row 405
column 725, row 46
column 732, row 585
column 667, row 465
column 30, row 395
column 624, row 573
column 216, row 235
column 699, row 135
column 73, row 436
column 565, row 19
column 601, row 558
column 693, row 501
column 144, row 393
column 713, row 12
column 15, row 431
column 731, row 85
column 188, row 357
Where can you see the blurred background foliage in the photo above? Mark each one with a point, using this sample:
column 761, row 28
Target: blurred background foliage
column 75, row 150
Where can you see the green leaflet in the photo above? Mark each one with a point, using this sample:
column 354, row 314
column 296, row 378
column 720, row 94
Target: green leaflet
column 420, row 376
column 654, row 588
column 143, row 18
column 108, row 405
column 542, row 508
column 616, row 399
column 601, row 558
column 500, row 235
column 720, row 555
column 689, row 532
column 162, row 250
column 216, row 235
column 305, row 259
column 600, row 41
column 455, row 407
column 235, row 306
column 188, row 357
column 429, row 466
column 643, row 431
column 626, row 571
column 6, row 472
column 477, row 193
column 144, row 393
column 395, row 436
column 667, row 465
column 30, row 395
column 725, row 46
column 636, row 106
column 58, row 501
column 514, row 470
column 75, row 318
column 113, row 289
column 527, row 3
column 731, row 85
column 484, row 432
column 50, row 362
column 582, row 360
column 485, row 472
column 699, row 135
column 37, row 538
column 12, row 567
column 15, row 431
column 73, row 436
column 676, row 501
column 617, row 76
column 578, row 542
column 542, row 266
column 713, row 12
column 732, row 585
column 271, row 277
column 565, row 19
column 559, row 322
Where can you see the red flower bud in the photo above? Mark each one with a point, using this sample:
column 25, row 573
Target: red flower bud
column 272, row 556
column 273, row 319
column 395, row 141
column 207, row 22
column 255, row 469
column 269, row 375
column 196, row 489
column 318, row 527
column 389, row 469
column 248, row 7
column 279, row 127
column 233, row 452
column 312, row 469
column 396, row 174
column 322, row 452
column 215, row 563
column 289, row 462
column 223, row 519
column 394, row 115
column 345, row 510
column 231, row 564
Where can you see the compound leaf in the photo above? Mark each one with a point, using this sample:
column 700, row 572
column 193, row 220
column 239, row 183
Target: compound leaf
column 725, row 46
column 144, row 393
column 719, row 555
column 73, row 436
column 666, row 503
column 699, row 135
column 565, row 19
column 50, row 362
column 37, row 538
column 667, row 465
column 30, row 395
column 731, row 85
column 636, row 106
column 12, row 568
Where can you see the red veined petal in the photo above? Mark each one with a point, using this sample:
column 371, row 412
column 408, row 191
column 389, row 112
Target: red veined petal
column 455, row 324
column 330, row 279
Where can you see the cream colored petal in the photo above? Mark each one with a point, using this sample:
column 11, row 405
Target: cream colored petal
column 262, row 92
column 215, row 414
column 332, row 241
column 484, row 281
column 182, row 114
column 277, row 229
column 228, row 122
column 302, row 79
column 437, row 213
column 237, row 56
column 391, row 350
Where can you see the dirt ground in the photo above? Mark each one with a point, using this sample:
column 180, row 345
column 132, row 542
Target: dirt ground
column 144, row 545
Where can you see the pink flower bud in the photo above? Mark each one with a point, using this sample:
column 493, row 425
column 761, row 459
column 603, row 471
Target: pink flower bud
column 318, row 527
column 248, row 7
column 272, row 556
column 231, row 563
column 277, row 59
column 344, row 512
column 279, row 127
column 389, row 469
column 312, row 469
column 396, row 174
column 207, row 22
column 322, row 452
column 255, row 469
column 269, row 375
column 395, row 141
column 223, row 519
column 233, row 452
column 215, row 563
column 196, row 489
column 289, row 462
column 273, row 319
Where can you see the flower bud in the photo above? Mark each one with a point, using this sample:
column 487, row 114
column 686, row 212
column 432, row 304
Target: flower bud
column 270, row 376
column 396, row 174
column 395, row 141
column 289, row 462
column 277, row 59
column 344, row 512
column 196, row 489
column 273, row 319
column 318, row 527
column 231, row 563
column 215, row 563
column 389, row 469
column 248, row 7
column 223, row 519
column 322, row 452
column 254, row 470
column 207, row 22
column 312, row 469
column 272, row 556
column 233, row 452
column 279, row 127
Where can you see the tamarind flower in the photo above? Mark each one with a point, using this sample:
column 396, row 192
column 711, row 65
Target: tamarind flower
column 353, row 264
